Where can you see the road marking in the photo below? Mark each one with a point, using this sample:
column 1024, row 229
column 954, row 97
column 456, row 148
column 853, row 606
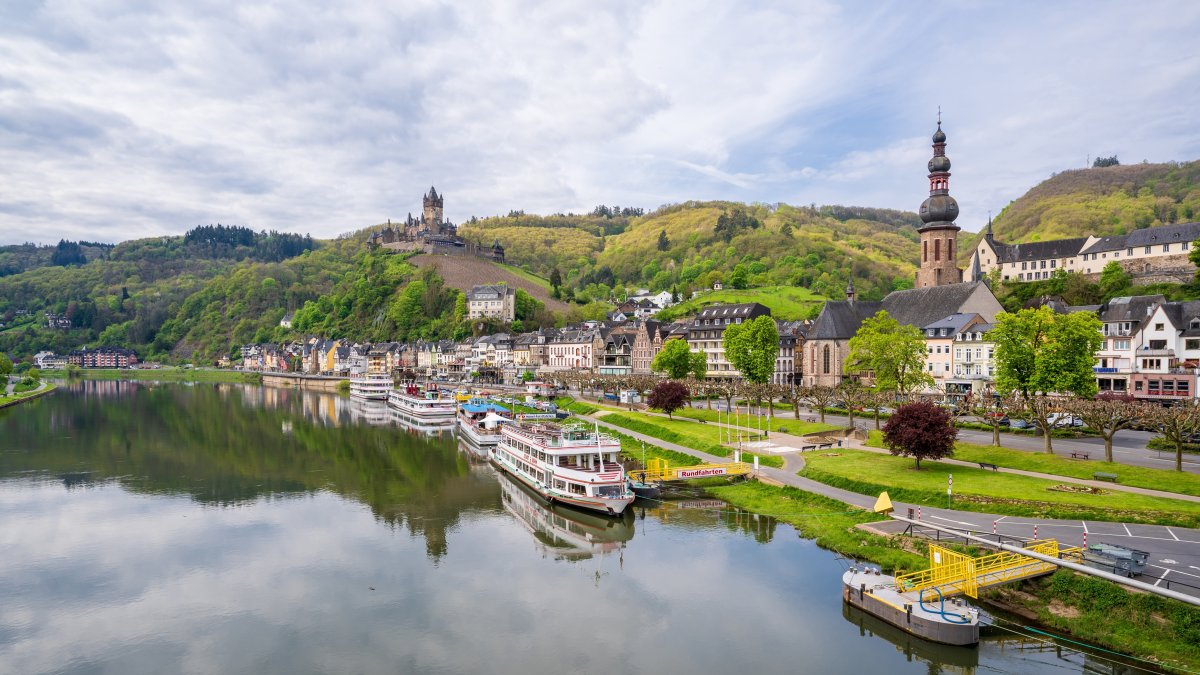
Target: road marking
column 1164, row 576
column 1001, row 518
column 1172, row 533
column 1085, row 530
column 1126, row 529
column 1187, row 574
column 1168, row 561
column 952, row 521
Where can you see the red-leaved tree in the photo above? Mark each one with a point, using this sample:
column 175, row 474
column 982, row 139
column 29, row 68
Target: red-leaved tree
column 668, row 396
column 920, row 430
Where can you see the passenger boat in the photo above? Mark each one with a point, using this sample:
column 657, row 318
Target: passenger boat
column 435, row 427
column 421, row 404
column 479, row 421
column 371, row 387
column 565, row 533
column 565, row 464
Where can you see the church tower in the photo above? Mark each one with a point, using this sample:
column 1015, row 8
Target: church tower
column 432, row 215
column 938, row 214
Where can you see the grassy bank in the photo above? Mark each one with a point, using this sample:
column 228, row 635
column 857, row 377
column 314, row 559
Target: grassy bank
column 632, row 449
column 171, row 375
column 688, row 434
column 782, row 424
column 6, row 401
column 1091, row 610
column 1135, row 476
column 989, row 492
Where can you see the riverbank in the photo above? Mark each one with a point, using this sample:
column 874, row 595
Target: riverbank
column 167, row 375
column 9, row 401
column 1093, row 610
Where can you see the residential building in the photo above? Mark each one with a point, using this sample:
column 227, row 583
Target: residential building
column 706, row 333
column 492, row 302
column 49, row 361
column 102, row 357
column 647, row 343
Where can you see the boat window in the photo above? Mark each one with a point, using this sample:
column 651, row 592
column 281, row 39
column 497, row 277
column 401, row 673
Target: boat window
column 560, row 484
column 609, row 491
column 577, row 489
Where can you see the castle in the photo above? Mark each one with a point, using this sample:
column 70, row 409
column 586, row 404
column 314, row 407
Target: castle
column 432, row 233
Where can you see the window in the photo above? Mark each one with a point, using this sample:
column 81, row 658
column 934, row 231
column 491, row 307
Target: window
column 1023, row 265
column 1137, row 386
column 1147, row 249
column 937, row 249
column 1129, row 251
column 1158, row 326
column 1166, row 248
column 1158, row 344
column 1043, row 264
column 826, row 365
column 1120, row 344
column 1053, row 264
column 1184, row 245
column 1191, row 343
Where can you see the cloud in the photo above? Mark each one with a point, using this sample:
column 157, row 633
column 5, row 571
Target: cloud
column 123, row 118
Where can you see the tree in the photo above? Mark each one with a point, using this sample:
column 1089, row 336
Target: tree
column 555, row 278
column 752, row 348
column 920, row 430
column 893, row 353
column 1039, row 353
column 6, row 366
column 1114, row 279
column 1178, row 423
column 878, row 400
column 663, row 242
column 819, row 396
column 668, row 396
column 991, row 410
column 740, row 278
column 1107, row 414
column 674, row 359
column 1102, row 162
column 697, row 364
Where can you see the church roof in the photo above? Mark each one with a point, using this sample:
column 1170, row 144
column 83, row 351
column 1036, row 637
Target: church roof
column 915, row 307
column 1038, row 250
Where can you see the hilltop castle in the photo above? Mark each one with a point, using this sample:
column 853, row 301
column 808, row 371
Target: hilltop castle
column 432, row 233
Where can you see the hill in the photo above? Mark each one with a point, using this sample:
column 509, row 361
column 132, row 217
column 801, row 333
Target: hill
column 463, row 272
column 690, row 246
column 785, row 302
column 1102, row 201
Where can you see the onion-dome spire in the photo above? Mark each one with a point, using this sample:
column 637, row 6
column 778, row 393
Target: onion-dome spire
column 850, row 289
column 940, row 210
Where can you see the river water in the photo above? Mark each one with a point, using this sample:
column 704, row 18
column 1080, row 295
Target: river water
column 168, row 528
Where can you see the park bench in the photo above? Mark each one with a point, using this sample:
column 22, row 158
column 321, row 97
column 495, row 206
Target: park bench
column 1110, row 477
column 988, row 465
column 1079, row 454
column 817, row 446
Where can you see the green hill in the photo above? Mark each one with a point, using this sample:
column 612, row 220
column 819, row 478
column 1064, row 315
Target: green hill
column 763, row 245
column 785, row 302
column 1101, row 201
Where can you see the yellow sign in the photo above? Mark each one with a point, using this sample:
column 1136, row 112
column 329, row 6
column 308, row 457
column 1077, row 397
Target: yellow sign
column 883, row 504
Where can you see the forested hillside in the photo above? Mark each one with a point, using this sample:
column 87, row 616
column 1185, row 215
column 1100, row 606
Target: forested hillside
column 692, row 245
column 1102, row 201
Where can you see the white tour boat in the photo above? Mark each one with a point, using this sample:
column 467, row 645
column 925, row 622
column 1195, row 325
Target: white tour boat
column 479, row 421
column 565, row 464
column 371, row 387
column 421, row 404
column 563, row 532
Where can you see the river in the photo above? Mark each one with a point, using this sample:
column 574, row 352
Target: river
column 216, row 528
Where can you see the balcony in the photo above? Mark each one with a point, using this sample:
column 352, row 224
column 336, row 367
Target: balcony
column 1098, row 369
column 1155, row 352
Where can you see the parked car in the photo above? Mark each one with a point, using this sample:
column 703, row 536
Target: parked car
column 1020, row 424
column 996, row 417
column 1063, row 420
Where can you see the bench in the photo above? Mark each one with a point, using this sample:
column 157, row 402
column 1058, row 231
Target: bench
column 988, row 465
column 1110, row 477
column 1079, row 454
column 818, row 446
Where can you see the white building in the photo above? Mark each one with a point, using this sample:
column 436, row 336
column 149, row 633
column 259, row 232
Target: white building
column 493, row 302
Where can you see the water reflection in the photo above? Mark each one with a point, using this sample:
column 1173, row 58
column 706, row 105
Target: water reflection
column 562, row 532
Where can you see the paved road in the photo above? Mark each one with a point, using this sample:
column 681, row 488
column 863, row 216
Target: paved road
column 1129, row 446
column 1174, row 552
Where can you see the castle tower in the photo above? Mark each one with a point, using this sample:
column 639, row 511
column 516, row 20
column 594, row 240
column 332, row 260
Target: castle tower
column 432, row 215
column 938, row 214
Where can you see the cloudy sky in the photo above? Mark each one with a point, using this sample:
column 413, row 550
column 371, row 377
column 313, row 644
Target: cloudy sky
column 127, row 118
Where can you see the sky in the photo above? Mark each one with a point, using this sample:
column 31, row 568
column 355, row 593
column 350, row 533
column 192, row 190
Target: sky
column 122, row 119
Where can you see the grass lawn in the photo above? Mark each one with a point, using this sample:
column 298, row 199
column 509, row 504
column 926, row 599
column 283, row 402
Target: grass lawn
column 786, row 302
column 982, row 490
column 170, row 375
column 632, row 448
column 575, row 407
column 1136, row 476
column 4, row 400
column 527, row 276
column 786, row 425
column 700, row 437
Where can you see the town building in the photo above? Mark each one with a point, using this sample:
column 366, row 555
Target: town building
column 707, row 334
column 492, row 302
column 102, row 357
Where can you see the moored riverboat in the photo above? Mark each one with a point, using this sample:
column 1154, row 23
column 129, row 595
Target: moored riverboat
column 479, row 421
column 570, row 465
column 563, row 532
column 421, row 403
column 371, row 387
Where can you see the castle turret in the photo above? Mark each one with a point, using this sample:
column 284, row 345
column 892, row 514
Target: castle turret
column 432, row 214
column 938, row 213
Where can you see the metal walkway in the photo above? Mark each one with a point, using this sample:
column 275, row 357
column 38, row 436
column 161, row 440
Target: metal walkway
column 659, row 470
column 954, row 573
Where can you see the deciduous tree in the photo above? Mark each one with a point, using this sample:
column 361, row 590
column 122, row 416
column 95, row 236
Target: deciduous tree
column 1038, row 353
column 892, row 353
column 1177, row 423
column 1107, row 414
column 752, row 348
column 920, row 430
column 6, row 366
column 675, row 360
column 668, row 396
column 819, row 396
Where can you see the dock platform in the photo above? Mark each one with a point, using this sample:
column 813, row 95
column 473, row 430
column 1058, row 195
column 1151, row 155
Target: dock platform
column 947, row 621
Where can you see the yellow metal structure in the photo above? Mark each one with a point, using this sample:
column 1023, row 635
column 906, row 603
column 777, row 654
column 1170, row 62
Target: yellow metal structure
column 954, row 573
column 883, row 504
column 661, row 470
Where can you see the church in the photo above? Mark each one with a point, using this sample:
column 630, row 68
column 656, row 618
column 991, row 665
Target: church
column 939, row 293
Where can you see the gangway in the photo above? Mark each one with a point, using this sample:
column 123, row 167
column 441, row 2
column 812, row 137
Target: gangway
column 953, row 573
column 660, row 470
